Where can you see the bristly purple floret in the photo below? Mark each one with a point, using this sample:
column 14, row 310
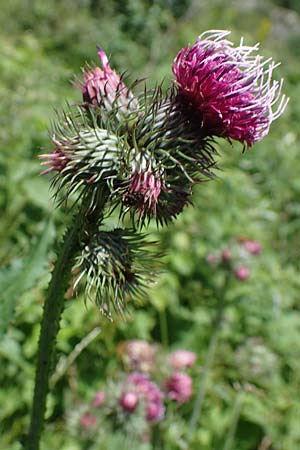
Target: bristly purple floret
column 230, row 88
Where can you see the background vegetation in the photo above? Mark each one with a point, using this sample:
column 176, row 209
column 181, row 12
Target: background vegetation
column 256, row 196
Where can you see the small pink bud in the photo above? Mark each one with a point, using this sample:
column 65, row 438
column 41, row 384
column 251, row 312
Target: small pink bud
column 252, row 247
column 226, row 255
column 129, row 401
column 242, row 273
column 99, row 399
column 88, row 420
column 180, row 359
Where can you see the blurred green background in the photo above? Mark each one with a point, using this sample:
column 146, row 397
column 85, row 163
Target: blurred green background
column 256, row 195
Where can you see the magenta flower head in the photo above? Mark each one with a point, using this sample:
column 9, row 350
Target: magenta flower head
column 181, row 359
column 179, row 387
column 105, row 87
column 230, row 88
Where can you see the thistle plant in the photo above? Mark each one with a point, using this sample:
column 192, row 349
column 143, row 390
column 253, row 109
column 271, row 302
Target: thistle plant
column 140, row 155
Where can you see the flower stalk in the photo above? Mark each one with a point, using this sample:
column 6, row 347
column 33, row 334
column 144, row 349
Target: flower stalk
column 53, row 308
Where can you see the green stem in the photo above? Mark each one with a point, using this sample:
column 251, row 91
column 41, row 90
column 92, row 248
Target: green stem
column 53, row 307
column 164, row 335
column 197, row 410
column 237, row 408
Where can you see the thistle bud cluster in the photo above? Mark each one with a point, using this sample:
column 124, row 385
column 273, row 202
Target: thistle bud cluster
column 142, row 394
column 141, row 154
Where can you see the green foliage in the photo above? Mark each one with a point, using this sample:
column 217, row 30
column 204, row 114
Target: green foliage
column 256, row 196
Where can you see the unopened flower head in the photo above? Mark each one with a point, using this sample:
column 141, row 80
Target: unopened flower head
column 105, row 87
column 230, row 88
column 57, row 160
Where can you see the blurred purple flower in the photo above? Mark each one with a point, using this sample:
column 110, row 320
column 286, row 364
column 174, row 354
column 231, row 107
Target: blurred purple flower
column 88, row 420
column 151, row 394
column 129, row 401
column 230, row 88
column 242, row 273
column 226, row 255
column 179, row 387
column 180, row 359
column 138, row 354
column 252, row 247
column 99, row 399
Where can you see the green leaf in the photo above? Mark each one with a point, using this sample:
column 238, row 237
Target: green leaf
column 22, row 275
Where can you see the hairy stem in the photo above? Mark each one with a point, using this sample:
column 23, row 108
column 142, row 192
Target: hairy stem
column 53, row 307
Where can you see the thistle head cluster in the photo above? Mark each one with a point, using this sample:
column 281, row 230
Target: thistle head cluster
column 142, row 154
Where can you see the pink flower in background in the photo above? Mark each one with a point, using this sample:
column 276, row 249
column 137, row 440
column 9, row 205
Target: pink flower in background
column 138, row 354
column 229, row 87
column 242, row 273
column 179, row 387
column 104, row 86
column 88, row 420
column 150, row 393
column 155, row 411
column 252, row 247
column 99, row 399
column 129, row 401
column 180, row 359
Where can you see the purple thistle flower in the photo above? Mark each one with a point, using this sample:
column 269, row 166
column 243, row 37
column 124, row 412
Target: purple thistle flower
column 231, row 89
column 104, row 86
column 179, row 387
